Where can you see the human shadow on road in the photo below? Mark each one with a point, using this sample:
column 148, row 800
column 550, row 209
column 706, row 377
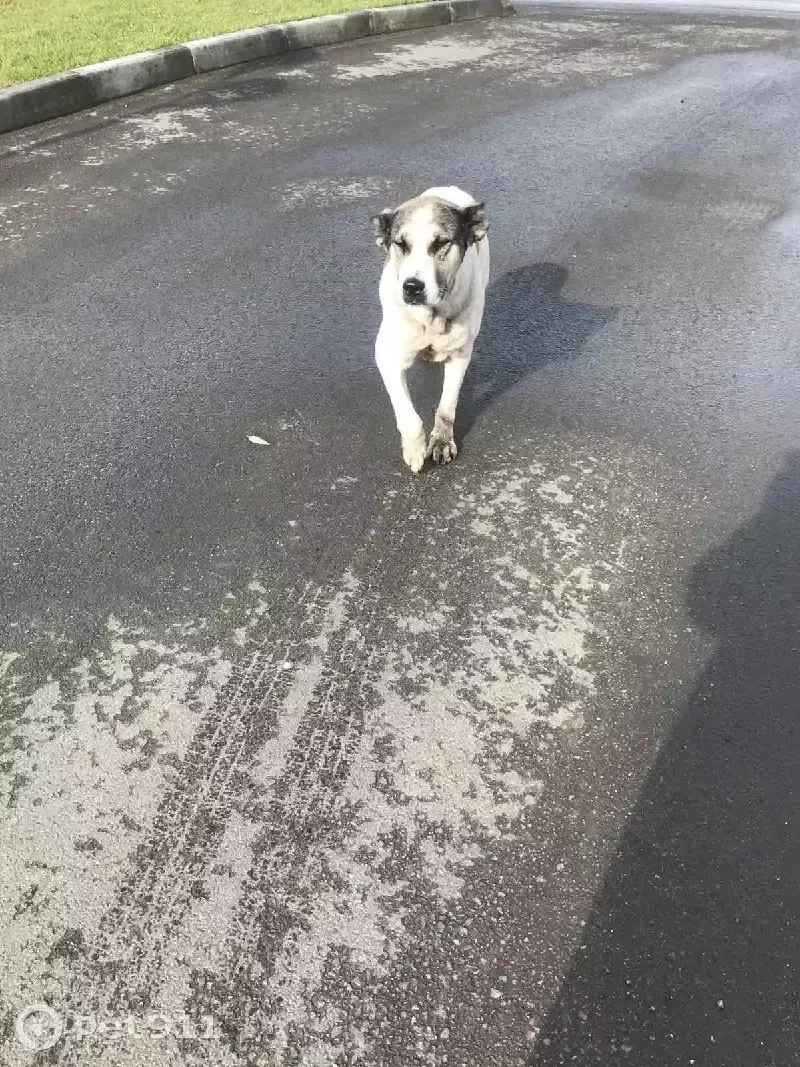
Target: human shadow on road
column 692, row 955
column 527, row 324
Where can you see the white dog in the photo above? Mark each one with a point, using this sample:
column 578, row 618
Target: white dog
column 432, row 293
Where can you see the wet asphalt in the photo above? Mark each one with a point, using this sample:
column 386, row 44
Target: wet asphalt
column 309, row 761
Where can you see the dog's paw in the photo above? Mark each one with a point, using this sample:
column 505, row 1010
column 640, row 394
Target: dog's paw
column 414, row 451
column 441, row 447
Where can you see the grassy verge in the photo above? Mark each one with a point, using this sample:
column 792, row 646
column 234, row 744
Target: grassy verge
column 39, row 37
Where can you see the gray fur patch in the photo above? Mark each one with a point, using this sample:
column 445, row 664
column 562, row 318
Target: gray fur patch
column 382, row 227
column 461, row 226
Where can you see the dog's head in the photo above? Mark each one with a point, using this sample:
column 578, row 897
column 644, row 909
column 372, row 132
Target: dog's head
column 426, row 240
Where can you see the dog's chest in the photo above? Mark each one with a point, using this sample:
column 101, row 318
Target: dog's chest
column 440, row 339
column 431, row 355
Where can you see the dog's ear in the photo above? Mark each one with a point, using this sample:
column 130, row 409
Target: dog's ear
column 382, row 228
column 474, row 216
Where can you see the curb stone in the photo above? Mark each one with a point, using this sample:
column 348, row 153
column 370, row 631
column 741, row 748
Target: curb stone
column 45, row 98
column 328, row 29
column 410, row 17
column 212, row 53
column 131, row 74
column 74, row 90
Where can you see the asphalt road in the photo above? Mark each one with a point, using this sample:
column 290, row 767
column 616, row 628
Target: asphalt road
column 326, row 764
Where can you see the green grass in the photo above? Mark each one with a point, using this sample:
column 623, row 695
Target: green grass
column 39, row 37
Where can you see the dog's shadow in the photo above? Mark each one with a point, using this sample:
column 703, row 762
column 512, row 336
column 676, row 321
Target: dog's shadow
column 527, row 323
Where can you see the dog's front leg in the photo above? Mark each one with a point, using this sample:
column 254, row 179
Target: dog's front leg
column 393, row 363
column 442, row 446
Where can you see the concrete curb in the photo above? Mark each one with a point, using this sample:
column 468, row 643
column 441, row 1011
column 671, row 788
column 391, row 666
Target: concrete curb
column 131, row 74
column 46, row 98
column 62, row 94
column 242, row 47
column 328, row 29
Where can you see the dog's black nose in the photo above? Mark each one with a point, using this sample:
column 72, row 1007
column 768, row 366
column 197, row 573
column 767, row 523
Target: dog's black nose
column 413, row 290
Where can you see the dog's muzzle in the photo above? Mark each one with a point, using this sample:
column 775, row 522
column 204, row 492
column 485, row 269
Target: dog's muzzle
column 414, row 291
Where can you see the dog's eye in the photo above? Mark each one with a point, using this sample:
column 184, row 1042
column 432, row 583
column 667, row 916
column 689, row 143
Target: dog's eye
column 440, row 247
column 401, row 245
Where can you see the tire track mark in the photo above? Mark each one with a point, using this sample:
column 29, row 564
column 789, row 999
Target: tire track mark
column 130, row 964
column 368, row 830
column 348, row 776
column 167, row 870
column 306, row 817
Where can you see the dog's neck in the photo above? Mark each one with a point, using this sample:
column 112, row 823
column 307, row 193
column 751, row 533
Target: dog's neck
column 433, row 320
